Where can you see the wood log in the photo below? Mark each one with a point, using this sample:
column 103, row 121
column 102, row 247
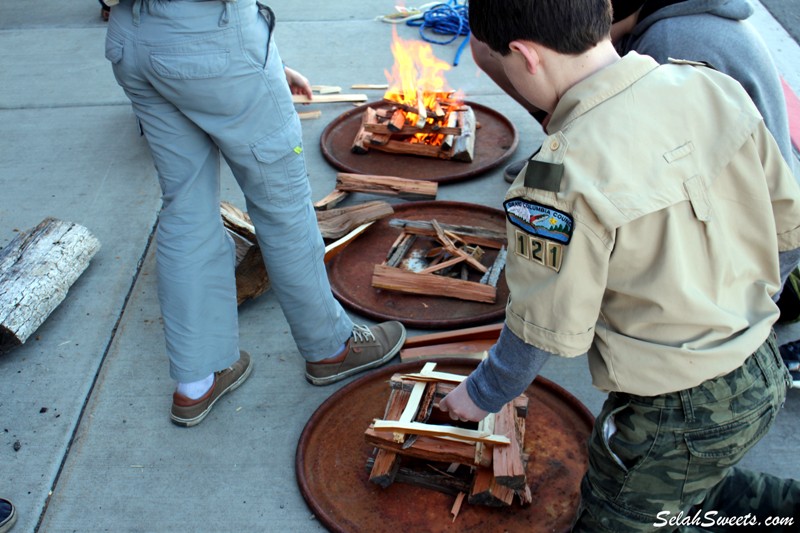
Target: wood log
column 252, row 279
column 395, row 124
column 396, row 279
column 335, row 223
column 488, row 238
column 483, row 453
column 387, row 186
column 37, row 269
column 386, row 463
column 399, row 250
column 407, row 148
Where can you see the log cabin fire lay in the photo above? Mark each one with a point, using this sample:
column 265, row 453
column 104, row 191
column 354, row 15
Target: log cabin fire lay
column 419, row 115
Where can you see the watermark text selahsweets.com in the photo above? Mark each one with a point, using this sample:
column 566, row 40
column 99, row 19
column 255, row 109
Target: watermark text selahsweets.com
column 714, row 518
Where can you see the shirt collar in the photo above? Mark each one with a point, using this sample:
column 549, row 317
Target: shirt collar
column 599, row 87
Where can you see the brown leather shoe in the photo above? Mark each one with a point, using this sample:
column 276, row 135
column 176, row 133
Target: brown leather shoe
column 369, row 347
column 187, row 412
column 8, row 515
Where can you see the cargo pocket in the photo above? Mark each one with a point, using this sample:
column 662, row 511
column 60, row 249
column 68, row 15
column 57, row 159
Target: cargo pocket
column 190, row 65
column 725, row 445
column 113, row 50
column 280, row 159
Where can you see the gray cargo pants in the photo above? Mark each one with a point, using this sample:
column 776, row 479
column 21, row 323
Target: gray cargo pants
column 202, row 83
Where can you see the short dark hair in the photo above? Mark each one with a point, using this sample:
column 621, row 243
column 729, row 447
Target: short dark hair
column 566, row 26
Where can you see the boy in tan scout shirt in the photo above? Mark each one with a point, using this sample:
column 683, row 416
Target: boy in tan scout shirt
column 658, row 247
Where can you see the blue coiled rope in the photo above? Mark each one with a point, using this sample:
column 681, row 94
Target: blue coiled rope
column 450, row 18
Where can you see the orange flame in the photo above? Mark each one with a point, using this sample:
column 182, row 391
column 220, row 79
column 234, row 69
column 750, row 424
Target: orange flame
column 418, row 76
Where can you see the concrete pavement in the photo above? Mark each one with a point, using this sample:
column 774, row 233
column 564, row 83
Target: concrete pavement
column 85, row 440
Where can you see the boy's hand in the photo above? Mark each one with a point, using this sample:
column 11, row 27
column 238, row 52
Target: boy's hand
column 460, row 406
column 297, row 82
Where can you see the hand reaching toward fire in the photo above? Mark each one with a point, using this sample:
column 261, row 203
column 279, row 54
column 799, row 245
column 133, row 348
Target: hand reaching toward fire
column 297, row 82
column 460, row 405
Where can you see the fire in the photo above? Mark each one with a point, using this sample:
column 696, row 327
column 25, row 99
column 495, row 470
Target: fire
column 418, row 82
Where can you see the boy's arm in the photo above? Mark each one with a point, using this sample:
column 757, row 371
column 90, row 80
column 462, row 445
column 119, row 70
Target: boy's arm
column 511, row 366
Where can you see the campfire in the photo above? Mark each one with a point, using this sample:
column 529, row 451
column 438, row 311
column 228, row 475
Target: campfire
column 419, row 114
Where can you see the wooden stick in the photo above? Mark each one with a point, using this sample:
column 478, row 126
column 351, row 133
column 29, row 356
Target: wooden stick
column 335, row 223
column 491, row 331
column 457, row 505
column 328, row 98
column 432, row 430
column 412, row 405
column 507, row 465
column 402, row 250
column 477, row 350
column 375, row 86
column 326, row 89
column 432, row 375
column 307, row 115
column 413, row 129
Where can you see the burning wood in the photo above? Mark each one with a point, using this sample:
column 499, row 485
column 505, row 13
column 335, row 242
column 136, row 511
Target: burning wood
column 445, row 131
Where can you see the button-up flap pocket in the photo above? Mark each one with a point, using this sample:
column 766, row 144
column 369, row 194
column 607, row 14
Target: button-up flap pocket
column 190, row 65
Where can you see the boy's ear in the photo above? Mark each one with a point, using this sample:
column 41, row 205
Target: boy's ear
column 528, row 52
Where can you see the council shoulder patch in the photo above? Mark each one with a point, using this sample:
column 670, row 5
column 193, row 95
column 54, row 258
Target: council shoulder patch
column 539, row 220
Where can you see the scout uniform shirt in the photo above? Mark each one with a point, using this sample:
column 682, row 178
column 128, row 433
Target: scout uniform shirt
column 646, row 230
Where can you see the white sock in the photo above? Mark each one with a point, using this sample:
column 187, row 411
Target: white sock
column 196, row 389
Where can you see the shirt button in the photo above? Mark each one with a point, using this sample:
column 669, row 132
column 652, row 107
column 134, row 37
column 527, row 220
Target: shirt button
column 554, row 145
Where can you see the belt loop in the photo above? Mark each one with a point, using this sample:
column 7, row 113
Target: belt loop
column 688, row 408
column 137, row 11
column 226, row 13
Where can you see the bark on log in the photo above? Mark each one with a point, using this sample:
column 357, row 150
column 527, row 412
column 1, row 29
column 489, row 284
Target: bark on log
column 387, row 185
column 37, row 269
column 252, row 279
column 335, row 223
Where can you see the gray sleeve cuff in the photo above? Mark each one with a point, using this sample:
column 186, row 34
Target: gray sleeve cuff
column 512, row 365
column 788, row 262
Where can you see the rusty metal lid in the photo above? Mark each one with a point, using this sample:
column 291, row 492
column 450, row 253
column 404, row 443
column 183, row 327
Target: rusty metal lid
column 350, row 272
column 330, row 464
column 495, row 142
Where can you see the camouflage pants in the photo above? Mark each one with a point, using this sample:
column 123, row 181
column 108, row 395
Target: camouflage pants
column 666, row 463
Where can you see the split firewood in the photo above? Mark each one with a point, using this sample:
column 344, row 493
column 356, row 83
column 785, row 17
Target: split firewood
column 448, row 244
column 386, row 462
column 37, row 269
column 488, row 238
column 507, row 464
column 328, row 98
column 335, row 223
column 457, row 505
column 464, row 144
column 396, row 122
column 399, row 249
column 252, row 279
column 477, row 350
column 425, row 477
column 483, row 453
column 427, row 448
column 405, row 188
column 492, row 276
column 333, row 198
column 488, row 332
column 392, row 278
column 406, row 148
column 364, row 138
column 413, row 403
column 334, row 248
column 487, row 491
column 408, row 129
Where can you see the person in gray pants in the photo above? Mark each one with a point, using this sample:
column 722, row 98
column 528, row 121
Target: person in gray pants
column 205, row 79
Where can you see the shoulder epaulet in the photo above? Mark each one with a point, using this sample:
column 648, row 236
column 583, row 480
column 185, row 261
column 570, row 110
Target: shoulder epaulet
column 691, row 63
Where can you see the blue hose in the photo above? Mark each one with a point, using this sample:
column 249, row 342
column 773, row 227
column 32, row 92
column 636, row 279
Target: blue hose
column 449, row 18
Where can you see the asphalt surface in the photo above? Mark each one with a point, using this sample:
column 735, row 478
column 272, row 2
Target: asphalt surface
column 85, row 440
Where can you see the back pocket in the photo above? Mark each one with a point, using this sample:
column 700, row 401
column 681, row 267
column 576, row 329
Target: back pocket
column 190, row 65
